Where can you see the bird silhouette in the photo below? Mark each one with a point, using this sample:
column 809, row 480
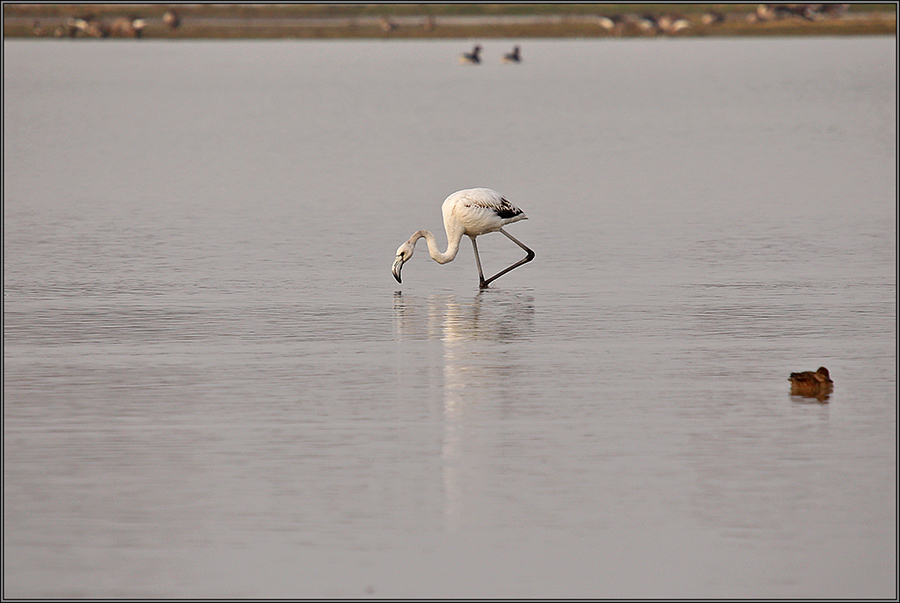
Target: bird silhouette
column 471, row 58
column 512, row 57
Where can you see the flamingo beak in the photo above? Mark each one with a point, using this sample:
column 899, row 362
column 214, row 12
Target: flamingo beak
column 395, row 269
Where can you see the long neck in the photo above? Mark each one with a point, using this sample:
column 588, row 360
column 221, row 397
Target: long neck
column 433, row 249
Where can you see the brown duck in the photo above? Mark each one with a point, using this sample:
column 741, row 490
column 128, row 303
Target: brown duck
column 810, row 383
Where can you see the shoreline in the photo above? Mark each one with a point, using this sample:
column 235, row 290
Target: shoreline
column 392, row 21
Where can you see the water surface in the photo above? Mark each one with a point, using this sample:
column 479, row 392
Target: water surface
column 213, row 387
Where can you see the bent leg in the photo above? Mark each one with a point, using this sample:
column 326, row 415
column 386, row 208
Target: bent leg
column 528, row 257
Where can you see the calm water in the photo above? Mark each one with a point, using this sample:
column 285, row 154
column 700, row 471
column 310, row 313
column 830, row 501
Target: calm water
column 213, row 386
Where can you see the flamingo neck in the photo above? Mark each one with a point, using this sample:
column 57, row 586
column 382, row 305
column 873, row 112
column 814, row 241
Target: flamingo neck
column 433, row 249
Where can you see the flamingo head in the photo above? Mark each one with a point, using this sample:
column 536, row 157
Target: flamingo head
column 404, row 252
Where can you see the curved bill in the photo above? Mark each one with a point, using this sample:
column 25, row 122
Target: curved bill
column 395, row 269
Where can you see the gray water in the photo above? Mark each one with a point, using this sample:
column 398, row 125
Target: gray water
column 213, row 387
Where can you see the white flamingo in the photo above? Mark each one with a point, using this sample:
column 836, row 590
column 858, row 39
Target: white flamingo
column 470, row 212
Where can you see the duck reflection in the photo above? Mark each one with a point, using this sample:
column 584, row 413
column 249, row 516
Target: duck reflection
column 820, row 393
column 475, row 366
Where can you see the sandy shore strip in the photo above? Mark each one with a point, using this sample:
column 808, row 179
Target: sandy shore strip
column 197, row 21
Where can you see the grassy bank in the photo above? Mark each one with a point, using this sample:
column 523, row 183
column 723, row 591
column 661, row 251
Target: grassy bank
column 197, row 21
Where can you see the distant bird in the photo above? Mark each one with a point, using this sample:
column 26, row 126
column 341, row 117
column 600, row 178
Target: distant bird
column 386, row 24
column 810, row 383
column 613, row 23
column 129, row 27
column 138, row 24
column 672, row 24
column 648, row 24
column 89, row 26
column 512, row 57
column 712, row 18
column 470, row 212
column 471, row 58
column 765, row 12
column 171, row 18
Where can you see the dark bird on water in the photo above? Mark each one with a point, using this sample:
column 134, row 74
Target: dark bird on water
column 512, row 57
column 471, row 58
column 820, row 377
column 811, row 384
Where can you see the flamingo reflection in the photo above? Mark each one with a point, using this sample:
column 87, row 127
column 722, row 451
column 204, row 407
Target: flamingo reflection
column 471, row 373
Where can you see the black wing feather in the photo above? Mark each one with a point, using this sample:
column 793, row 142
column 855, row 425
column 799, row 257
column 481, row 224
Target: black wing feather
column 507, row 209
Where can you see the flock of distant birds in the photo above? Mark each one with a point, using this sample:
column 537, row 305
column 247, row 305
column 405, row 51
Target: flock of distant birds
column 618, row 24
column 131, row 26
column 671, row 24
column 474, row 57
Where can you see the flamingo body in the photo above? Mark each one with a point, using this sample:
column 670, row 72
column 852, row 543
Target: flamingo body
column 479, row 211
column 470, row 212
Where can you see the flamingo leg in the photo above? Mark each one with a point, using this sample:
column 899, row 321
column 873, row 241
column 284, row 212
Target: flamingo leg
column 481, row 283
column 528, row 257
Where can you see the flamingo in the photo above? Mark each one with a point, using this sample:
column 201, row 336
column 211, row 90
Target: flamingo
column 470, row 212
column 471, row 58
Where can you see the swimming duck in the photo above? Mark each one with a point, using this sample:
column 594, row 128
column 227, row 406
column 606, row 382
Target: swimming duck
column 810, row 383
column 512, row 57
column 820, row 377
column 471, row 58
